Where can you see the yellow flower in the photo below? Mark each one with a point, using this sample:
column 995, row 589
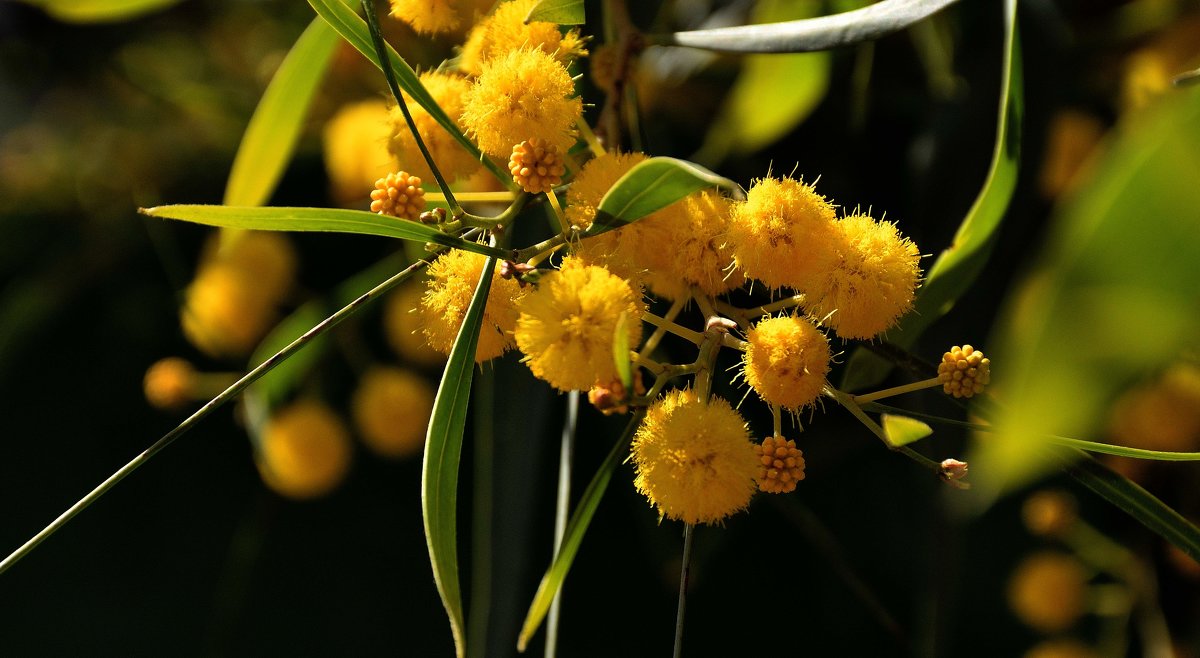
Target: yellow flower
column 787, row 361
column 452, row 281
column 593, row 181
column 566, row 326
column 169, row 383
column 523, row 95
column 1061, row 648
column 449, row 91
column 427, row 16
column 694, row 460
column 391, row 409
column 1048, row 513
column 356, row 151
column 781, row 465
column 399, row 194
column 267, row 257
column 1048, row 591
column 872, row 282
column 785, row 234
column 701, row 255
column 225, row 312
column 1162, row 414
column 506, row 30
column 305, row 451
column 402, row 326
column 535, row 166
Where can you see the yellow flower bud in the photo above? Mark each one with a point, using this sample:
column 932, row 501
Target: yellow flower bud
column 399, row 195
column 780, row 465
column 964, row 371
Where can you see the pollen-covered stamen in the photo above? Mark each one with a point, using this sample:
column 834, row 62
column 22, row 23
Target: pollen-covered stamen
column 964, row 371
column 398, row 194
column 536, row 166
column 781, row 465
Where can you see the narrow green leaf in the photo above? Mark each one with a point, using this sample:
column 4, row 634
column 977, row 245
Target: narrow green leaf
column 333, row 220
column 100, row 11
column 823, row 33
column 275, row 127
column 563, row 12
column 443, row 449
column 902, row 430
column 1138, row 503
column 621, row 353
column 959, row 265
column 759, row 110
column 355, row 31
column 1112, row 298
column 573, row 537
column 651, row 185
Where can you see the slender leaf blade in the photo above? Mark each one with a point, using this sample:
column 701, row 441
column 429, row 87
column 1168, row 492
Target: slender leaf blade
column 275, row 127
column 902, row 430
column 443, row 450
column 563, row 12
column 956, row 268
column 621, row 353
column 355, row 31
column 100, row 11
column 333, row 220
column 651, row 185
column 573, row 537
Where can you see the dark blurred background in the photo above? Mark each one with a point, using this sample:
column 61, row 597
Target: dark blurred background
column 193, row 555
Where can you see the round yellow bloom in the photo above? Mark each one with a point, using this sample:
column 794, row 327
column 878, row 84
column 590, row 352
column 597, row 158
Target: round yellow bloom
column 872, row 283
column 391, row 409
column 399, row 194
column 593, row 181
column 1061, row 648
column 266, row 257
column 781, row 465
column 787, row 361
column 1048, row 591
column 356, row 149
column 225, row 312
column 523, row 95
column 1048, row 513
column 604, row 62
column 448, row 91
column 784, row 234
column 305, row 451
column 506, row 30
column 1163, row 414
column 427, row 16
column 402, row 326
column 169, row 383
column 452, row 281
column 964, row 371
column 702, row 257
column 566, row 326
column 694, row 460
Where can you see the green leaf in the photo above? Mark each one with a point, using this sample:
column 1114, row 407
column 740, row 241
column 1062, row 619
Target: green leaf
column 334, row 220
column 1138, row 503
column 902, row 430
column 100, row 11
column 1111, row 299
column 563, row 12
column 443, row 449
column 621, row 353
column 573, row 537
column 959, row 265
column 355, row 31
column 823, row 33
column 651, row 185
column 275, row 127
column 759, row 110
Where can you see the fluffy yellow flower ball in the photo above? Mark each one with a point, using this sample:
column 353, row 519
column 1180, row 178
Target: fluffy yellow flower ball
column 449, row 91
column 225, row 312
column 266, row 257
column 784, row 234
column 391, row 410
column 694, row 460
column 305, row 451
column 1048, row 591
column 355, row 144
column 452, row 280
column 523, row 95
column 566, row 326
column 506, row 30
column 787, row 361
column 701, row 255
column 427, row 16
column 873, row 282
column 169, row 383
column 402, row 326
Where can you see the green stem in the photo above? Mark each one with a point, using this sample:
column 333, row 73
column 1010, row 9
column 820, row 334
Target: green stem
column 897, row 390
column 214, row 404
column 659, row 331
column 850, row 405
column 540, row 248
column 562, row 513
column 683, row 585
column 377, row 38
